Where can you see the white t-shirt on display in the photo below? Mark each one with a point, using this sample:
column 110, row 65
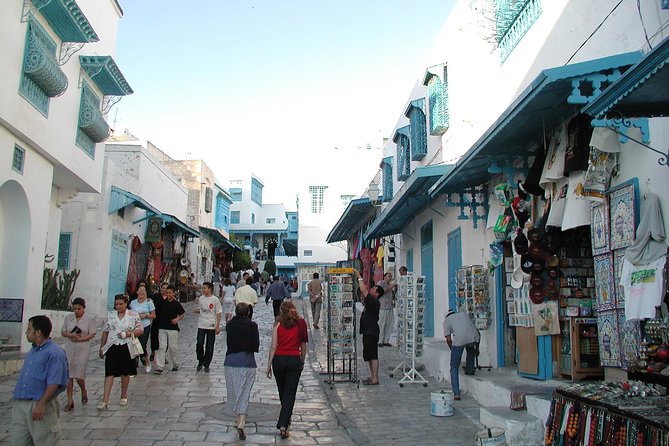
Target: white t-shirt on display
column 644, row 288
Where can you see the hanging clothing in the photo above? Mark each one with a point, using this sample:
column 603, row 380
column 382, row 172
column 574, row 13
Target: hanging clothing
column 650, row 243
column 577, row 206
column 554, row 165
column 644, row 288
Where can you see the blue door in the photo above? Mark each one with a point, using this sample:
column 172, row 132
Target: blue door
column 409, row 264
column 454, row 262
column 427, row 268
column 118, row 266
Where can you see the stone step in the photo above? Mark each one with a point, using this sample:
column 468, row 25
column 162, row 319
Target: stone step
column 520, row 427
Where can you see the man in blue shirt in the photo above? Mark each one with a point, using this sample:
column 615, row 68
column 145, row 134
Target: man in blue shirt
column 277, row 291
column 36, row 413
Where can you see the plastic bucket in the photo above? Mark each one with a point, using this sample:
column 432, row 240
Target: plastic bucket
column 442, row 403
column 492, row 436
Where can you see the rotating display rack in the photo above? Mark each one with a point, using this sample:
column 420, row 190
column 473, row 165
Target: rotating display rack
column 341, row 314
column 410, row 323
column 473, row 297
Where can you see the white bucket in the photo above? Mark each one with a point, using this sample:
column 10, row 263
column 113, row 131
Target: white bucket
column 442, row 403
column 492, row 436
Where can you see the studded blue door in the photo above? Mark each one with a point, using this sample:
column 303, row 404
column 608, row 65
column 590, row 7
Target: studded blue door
column 427, row 268
column 454, row 262
column 118, row 265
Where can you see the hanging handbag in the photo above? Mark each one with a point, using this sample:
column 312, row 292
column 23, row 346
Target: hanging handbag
column 135, row 347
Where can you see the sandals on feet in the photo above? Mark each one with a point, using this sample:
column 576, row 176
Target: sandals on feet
column 102, row 405
column 68, row 407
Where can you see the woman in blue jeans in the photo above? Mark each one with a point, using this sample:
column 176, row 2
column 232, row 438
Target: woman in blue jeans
column 286, row 358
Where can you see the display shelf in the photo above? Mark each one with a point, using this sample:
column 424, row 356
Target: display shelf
column 410, row 323
column 579, row 363
column 473, row 297
column 341, row 331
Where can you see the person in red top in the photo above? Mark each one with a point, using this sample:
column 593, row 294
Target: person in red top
column 286, row 356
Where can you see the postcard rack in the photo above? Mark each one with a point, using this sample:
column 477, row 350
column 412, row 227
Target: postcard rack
column 341, row 330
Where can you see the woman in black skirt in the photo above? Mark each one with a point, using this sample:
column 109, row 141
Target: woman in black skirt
column 121, row 325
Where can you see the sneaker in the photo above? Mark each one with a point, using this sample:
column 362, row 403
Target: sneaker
column 379, row 345
column 206, row 370
column 158, row 371
column 199, row 366
column 175, row 368
column 148, row 368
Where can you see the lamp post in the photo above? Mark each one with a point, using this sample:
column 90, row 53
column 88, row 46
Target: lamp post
column 373, row 192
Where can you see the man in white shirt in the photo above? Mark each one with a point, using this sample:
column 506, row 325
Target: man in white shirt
column 208, row 325
column 247, row 295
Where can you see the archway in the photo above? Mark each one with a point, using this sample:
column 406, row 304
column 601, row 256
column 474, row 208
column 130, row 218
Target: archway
column 271, row 245
column 14, row 239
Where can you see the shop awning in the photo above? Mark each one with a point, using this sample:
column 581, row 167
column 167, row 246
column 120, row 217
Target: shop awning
column 120, row 198
column 643, row 91
column 171, row 219
column 412, row 198
column 356, row 214
column 219, row 237
column 541, row 107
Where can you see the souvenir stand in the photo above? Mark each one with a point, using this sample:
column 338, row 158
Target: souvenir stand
column 410, row 309
column 473, row 297
column 341, row 314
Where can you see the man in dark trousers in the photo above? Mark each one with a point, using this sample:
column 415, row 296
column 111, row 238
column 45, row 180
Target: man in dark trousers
column 277, row 292
column 157, row 300
column 369, row 328
column 171, row 312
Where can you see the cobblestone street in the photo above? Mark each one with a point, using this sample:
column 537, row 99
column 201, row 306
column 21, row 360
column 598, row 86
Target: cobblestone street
column 187, row 408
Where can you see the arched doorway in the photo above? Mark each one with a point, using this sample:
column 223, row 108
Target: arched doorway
column 271, row 245
column 14, row 238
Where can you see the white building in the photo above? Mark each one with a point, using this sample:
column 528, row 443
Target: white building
column 58, row 81
column 502, row 76
column 138, row 192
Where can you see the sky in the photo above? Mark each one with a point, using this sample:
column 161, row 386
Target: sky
column 294, row 91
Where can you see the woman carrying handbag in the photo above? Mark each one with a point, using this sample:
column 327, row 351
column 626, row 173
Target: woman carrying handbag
column 122, row 324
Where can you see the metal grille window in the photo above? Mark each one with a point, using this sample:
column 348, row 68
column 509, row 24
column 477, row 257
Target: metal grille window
column 234, row 217
column 222, row 211
column 416, row 115
column 387, row 178
column 64, row 243
column 18, row 159
column 42, row 77
column 513, row 18
column 256, row 191
column 317, row 194
column 436, row 80
column 92, row 127
column 401, row 139
column 236, row 194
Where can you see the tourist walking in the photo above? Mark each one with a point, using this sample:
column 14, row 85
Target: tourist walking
column 461, row 334
column 36, row 412
column 276, row 292
column 208, row 325
column 315, row 289
column 78, row 329
column 155, row 330
column 146, row 310
column 228, row 299
column 369, row 329
column 247, row 294
column 122, row 324
column 171, row 312
column 286, row 359
column 243, row 341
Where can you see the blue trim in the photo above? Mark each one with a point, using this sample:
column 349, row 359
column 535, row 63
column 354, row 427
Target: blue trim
column 409, row 260
column 500, row 302
column 387, row 171
column 357, row 213
column 67, row 20
column 408, row 201
column 183, row 227
column 106, row 74
column 119, row 198
column 541, row 107
column 64, row 247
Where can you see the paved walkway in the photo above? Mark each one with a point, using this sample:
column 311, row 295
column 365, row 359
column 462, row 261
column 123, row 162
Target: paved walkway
column 185, row 408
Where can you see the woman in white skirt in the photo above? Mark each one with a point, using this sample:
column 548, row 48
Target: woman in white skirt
column 79, row 329
column 240, row 363
column 228, row 299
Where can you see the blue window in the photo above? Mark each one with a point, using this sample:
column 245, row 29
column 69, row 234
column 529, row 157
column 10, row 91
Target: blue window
column 18, row 160
column 253, row 218
column 409, row 260
column 222, row 212
column 513, row 18
column 64, row 243
column 387, row 178
column 418, row 126
column 665, row 4
column 92, row 127
column 234, row 217
column 41, row 78
column 436, row 80
column 236, row 194
column 401, row 139
column 256, row 191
